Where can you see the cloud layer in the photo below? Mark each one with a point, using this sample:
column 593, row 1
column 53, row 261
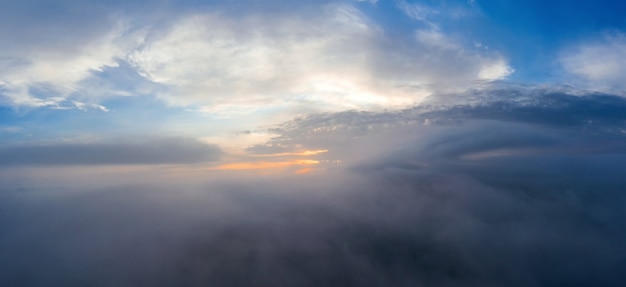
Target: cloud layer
column 145, row 151
column 391, row 228
column 525, row 190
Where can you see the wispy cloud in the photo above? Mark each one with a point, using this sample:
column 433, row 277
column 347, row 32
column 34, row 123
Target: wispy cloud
column 47, row 75
column 336, row 57
column 600, row 64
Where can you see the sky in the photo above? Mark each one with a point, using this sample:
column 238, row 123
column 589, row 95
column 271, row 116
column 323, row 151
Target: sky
column 312, row 143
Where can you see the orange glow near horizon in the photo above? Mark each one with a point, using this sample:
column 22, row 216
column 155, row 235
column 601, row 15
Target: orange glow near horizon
column 266, row 165
column 304, row 171
column 302, row 153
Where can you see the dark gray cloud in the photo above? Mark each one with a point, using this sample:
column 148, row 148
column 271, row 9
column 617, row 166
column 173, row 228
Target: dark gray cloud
column 562, row 120
column 146, row 151
column 555, row 106
column 495, row 135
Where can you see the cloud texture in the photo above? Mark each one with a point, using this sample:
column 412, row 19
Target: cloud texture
column 528, row 196
column 599, row 63
column 331, row 54
column 362, row 143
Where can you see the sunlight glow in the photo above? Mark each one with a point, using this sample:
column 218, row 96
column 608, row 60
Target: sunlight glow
column 304, row 171
column 302, row 153
column 266, row 165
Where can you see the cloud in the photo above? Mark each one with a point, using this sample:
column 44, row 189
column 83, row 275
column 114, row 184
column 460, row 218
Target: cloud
column 146, row 151
column 259, row 61
column 51, row 74
column 522, row 121
column 417, row 11
column 374, row 229
column 335, row 56
column 499, row 186
column 598, row 63
column 488, row 69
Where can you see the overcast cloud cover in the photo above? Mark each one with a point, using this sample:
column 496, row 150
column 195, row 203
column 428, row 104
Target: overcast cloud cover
column 312, row 143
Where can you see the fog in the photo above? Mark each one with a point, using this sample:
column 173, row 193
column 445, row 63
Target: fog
column 394, row 228
column 459, row 199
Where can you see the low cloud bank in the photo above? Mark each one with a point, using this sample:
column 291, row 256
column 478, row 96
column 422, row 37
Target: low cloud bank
column 392, row 228
column 524, row 191
column 145, row 151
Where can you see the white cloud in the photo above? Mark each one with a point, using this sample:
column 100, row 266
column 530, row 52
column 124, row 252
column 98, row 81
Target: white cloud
column 600, row 64
column 213, row 59
column 332, row 59
column 455, row 65
column 57, row 72
column 336, row 60
column 417, row 11
column 436, row 39
column 495, row 70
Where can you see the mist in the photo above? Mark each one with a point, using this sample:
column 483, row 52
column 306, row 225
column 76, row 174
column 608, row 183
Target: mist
column 503, row 201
